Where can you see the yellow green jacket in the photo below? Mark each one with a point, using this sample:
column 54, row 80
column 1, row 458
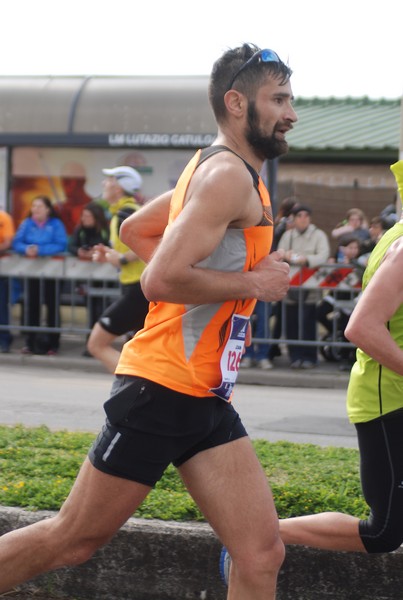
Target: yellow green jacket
column 131, row 272
column 374, row 390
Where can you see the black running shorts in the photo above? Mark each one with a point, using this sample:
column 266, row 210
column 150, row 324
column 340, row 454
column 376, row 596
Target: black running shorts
column 127, row 313
column 149, row 426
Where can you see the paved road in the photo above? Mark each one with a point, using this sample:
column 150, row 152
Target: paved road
column 66, row 399
column 304, row 415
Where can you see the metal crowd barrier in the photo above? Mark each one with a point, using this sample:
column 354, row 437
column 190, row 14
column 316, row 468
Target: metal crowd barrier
column 320, row 281
column 78, row 282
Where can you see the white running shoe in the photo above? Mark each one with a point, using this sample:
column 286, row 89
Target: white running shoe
column 265, row 364
column 246, row 363
column 225, row 563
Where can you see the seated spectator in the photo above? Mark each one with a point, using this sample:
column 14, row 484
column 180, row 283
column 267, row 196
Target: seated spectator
column 42, row 233
column 6, row 236
column 92, row 230
column 348, row 250
column 347, row 254
column 356, row 222
column 377, row 228
column 305, row 246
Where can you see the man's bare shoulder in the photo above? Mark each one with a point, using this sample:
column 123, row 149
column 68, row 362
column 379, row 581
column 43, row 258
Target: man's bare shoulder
column 222, row 180
column 226, row 166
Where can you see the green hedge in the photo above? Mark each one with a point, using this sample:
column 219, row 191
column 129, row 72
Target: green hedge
column 38, row 468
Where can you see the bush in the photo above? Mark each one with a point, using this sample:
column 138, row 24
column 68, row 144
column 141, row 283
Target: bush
column 38, row 468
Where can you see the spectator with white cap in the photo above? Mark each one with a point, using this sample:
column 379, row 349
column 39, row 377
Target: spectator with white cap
column 126, row 314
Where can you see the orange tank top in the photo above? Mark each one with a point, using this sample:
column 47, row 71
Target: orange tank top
column 196, row 349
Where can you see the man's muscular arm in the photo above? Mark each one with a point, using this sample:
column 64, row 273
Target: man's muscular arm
column 367, row 327
column 219, row 197
column 143, row 230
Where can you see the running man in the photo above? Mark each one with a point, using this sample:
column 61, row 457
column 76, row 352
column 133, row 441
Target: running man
column 170, row 401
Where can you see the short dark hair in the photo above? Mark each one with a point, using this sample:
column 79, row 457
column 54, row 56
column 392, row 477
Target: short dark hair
column 301, row 207
column 348, row 238
column 248, row 81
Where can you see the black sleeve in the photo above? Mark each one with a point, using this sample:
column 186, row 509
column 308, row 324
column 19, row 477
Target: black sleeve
column 124, row 212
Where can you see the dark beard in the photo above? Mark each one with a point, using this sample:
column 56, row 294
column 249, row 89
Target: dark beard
column 264, row 146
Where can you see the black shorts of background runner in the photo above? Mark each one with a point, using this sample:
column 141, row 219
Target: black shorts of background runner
column 149, row 426
column 381, row 449
column 127, row 313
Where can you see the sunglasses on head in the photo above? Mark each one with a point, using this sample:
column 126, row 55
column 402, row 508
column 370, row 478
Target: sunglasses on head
column 261, row 56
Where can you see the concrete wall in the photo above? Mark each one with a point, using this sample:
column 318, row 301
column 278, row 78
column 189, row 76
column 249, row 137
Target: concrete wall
column 155, row 560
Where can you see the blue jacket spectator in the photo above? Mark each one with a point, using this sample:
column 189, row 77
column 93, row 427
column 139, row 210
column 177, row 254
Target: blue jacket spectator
column 48, row 236
column 42, row 233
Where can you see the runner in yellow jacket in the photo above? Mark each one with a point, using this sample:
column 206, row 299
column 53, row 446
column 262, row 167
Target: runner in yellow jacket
column 126, row 314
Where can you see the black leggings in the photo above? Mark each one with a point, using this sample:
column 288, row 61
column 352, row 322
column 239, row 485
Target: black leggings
column 381, row 451
column 127, row 313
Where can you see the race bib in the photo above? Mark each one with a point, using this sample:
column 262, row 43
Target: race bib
column 231, row 357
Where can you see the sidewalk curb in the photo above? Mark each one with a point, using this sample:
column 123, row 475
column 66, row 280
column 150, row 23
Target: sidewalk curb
column 60, row 361
column 158, row 560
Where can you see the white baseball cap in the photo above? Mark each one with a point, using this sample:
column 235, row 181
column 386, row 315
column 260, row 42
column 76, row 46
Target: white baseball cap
column 127, row 177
